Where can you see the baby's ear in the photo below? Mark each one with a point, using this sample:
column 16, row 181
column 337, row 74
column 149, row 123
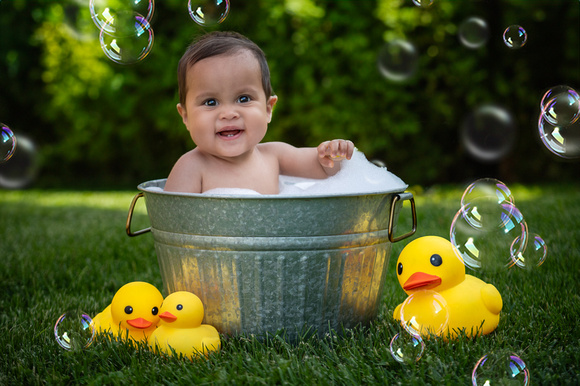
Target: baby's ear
column 270, row 106
column 181, row 110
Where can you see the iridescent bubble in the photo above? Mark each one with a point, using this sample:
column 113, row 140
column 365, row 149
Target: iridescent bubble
column 490, row 188
column 23, row 166
column 398, row 60
column 488, row 133
column 425, row 313
column 515, row 36
column 131, row 42
column 534, row 255
column 473, row 32
column 552, row 92
column 208, row 12
column 562, row 109
column 423, row 3
column 7, row 143
column 564, row 141
column 484, row 233
column 104, row 12
column 503, row 368
column 74, row 331
column 406, row 348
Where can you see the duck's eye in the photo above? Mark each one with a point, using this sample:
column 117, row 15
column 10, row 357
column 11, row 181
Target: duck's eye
column 436, row 260
column 155, row 310
column 179, row 307
column 400, row 268
column 128, row 310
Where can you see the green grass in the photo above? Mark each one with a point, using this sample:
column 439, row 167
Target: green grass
column 68, row 250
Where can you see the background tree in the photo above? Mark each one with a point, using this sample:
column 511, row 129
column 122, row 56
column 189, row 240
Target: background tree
column 97, row 123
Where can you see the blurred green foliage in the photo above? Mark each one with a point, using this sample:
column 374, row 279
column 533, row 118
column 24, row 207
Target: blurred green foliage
column 97, row 123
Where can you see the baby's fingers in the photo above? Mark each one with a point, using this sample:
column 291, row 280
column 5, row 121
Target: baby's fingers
column 327, row 162
column 347, row 147
column 335, row 150
column 324, row 149
column 341, row 149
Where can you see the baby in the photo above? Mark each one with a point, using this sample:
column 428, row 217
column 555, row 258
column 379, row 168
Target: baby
column 226, row 102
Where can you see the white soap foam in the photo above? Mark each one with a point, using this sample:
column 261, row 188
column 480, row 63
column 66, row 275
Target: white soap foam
column 356, row 175
column 231, row 192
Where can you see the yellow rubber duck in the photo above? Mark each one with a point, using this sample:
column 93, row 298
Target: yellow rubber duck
column 429, row 263
column 134, row 311
column 180, row 327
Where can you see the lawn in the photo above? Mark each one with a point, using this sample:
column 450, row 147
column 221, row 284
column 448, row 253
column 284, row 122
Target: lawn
column 63, row 250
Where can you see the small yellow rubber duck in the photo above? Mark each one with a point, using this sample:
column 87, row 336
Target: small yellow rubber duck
column 180, row 327
column 429, row 263
column 134, row 311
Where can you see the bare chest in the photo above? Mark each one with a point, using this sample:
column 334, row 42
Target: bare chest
column 260, row 175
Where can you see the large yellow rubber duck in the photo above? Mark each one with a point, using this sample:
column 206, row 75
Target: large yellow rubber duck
column 428, row 265
column 133, row 312
column 180, row 327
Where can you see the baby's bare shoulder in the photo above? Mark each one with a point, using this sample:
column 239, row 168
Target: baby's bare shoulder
column 186, row 173
column 275, row 148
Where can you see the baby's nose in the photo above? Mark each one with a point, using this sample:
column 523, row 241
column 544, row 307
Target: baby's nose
column 229, row 112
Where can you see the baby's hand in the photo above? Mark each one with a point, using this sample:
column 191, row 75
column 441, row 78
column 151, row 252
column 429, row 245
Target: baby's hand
column 335, row 150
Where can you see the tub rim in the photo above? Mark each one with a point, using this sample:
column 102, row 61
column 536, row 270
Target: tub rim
column 156, row 183
column 397, row 195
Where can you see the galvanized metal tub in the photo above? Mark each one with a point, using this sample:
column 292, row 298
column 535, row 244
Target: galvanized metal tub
column 261, row 264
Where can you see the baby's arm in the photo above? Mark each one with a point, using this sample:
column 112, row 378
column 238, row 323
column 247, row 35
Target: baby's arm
column 184, row 176
column 311, row 162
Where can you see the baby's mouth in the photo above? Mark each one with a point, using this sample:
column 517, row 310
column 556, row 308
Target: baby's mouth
column 229, row 133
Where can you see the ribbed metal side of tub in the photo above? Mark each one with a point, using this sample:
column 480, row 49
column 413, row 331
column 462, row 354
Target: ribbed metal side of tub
column 266, row 264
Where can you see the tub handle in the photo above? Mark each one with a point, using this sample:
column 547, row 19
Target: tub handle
column 130, row 216
column 397, row 197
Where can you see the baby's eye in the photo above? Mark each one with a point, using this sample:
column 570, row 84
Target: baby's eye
column 244, row 99
column 210, row 102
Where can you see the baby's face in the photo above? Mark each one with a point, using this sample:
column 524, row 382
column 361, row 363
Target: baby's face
column 226, row 111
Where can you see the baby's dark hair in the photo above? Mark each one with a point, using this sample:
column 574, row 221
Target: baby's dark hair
column 219, row 43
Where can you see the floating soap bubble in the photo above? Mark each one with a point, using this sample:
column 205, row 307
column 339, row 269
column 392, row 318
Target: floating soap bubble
column 208, row 12
column 74, row 331
column 425, row 313
column 132, row 40
column 7, row 143
column 563, row 108
column 552, row 92
column 490, row 188
column 423, row 3
column 504, row 368
column 487, row 235
column 534, row 255
column 515, row 36
column 406, row 348
column 564, row 141
column 23, row 165
column 397, row 60
column 473, row 32
column 488, row 133
column 104, row 12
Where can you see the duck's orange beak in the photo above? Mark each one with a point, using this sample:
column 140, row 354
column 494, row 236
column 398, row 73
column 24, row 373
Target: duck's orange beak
column 139, row 323
column 168, row 317
column 421, row 280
